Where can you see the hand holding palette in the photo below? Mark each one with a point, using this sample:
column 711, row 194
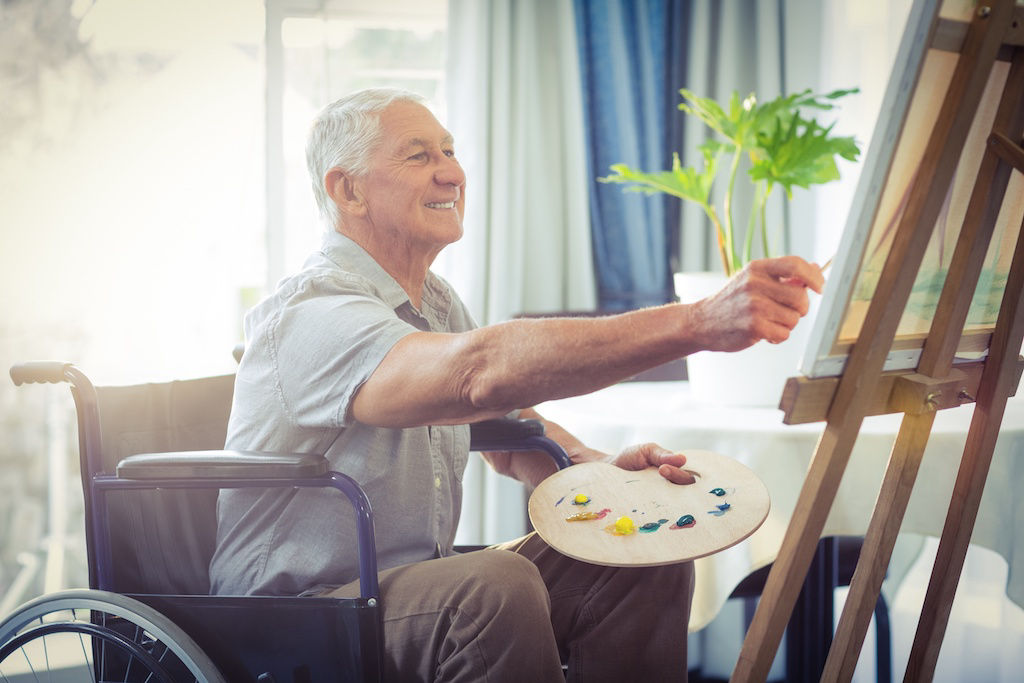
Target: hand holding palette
column 602, row 514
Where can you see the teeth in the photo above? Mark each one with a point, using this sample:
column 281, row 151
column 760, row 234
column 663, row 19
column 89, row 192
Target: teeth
column 444, row 205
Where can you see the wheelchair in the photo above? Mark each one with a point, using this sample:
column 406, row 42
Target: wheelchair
column 152, row 462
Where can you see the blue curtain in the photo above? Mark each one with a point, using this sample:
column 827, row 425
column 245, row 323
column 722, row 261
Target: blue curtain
column 632, row 61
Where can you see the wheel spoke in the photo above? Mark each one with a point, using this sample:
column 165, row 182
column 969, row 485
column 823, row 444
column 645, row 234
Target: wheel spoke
column 91, row 675
column 30, row 667
column 85, row 655
column 160, row 660
column 137, row 639
column 46, row 658
column 103, row 647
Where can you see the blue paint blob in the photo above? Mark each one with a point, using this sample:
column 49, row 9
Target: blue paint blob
column 684, row 522
column 720, row 510
column 652, row 526
column 718, row 492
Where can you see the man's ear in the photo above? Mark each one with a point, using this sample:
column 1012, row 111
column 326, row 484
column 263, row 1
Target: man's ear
column 342, row 189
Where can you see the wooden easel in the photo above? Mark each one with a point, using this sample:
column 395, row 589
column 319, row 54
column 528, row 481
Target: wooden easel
column 996, row 32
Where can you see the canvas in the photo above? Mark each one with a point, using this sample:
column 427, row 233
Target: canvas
column 921, row 75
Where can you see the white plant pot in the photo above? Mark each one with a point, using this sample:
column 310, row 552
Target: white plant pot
column 753, row 377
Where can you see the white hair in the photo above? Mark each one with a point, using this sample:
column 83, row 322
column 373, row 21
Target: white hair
column 343, row 135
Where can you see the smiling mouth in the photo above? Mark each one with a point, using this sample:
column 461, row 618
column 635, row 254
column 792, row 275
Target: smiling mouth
column 441, row 205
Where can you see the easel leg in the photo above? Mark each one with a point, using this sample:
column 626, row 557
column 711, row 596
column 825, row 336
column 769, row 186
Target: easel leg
column 798, row 548
column 996, row 384
column 956, row 536
column 995, row 388
column 893, row 497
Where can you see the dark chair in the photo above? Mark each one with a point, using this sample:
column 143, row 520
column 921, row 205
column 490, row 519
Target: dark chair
column 152, row 463
column 809, row 632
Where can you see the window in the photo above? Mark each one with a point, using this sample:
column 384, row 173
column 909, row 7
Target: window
column 152, row 184
column 131, row 148
column 133, row 182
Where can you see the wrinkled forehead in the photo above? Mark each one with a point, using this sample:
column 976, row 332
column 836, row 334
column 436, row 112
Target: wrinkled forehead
column 405, row 125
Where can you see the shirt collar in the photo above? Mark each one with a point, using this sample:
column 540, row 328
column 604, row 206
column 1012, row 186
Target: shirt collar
column 350, row 256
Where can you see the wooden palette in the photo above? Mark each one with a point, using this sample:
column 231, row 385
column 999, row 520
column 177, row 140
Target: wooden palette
column 646, row 497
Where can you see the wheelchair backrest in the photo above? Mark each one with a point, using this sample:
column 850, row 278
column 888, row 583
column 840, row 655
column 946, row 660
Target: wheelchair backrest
column 162, row 540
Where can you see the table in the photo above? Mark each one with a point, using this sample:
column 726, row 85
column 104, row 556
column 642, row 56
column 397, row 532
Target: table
column 668, row 414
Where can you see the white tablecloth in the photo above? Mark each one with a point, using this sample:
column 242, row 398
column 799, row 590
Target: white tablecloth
column 666, row 413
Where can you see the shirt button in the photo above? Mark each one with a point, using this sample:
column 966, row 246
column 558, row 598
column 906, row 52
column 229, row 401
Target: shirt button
column 437, row 482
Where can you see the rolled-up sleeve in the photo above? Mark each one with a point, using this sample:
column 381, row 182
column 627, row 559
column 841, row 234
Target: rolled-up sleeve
column 324, row 342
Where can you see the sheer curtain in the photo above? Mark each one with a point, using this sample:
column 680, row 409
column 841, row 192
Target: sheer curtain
column 751, row 46
column 515, row 111
column 514, row 108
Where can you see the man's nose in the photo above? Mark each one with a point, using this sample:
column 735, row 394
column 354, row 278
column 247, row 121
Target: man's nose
column 450, row 173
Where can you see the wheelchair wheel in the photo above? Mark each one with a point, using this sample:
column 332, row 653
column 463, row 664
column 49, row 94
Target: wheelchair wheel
column 98, row 636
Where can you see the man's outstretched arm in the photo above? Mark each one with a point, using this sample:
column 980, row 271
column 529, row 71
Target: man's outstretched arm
column 433, row 378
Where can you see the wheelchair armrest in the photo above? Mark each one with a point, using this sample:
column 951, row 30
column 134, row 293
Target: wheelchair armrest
column 502, row 429
column 240, row 469
column 507, row 434
column 222, row 465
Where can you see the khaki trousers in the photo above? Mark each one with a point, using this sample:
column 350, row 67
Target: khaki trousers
column 516, row 611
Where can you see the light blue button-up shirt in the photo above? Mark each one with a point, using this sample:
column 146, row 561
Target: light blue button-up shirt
column 309, row 347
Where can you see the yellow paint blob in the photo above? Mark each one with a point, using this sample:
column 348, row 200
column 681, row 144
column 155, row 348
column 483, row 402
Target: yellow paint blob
column 580, row 499
column 624, row 526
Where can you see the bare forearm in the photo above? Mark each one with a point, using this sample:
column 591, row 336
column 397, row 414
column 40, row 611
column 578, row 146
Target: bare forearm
column 453, row 378
column 431, row 378
column 525, row 362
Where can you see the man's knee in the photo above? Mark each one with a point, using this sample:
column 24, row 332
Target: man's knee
column 498, row 582
column 501, row 620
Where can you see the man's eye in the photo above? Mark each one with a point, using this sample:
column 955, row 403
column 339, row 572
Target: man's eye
column 418, row 156
column 450, row 153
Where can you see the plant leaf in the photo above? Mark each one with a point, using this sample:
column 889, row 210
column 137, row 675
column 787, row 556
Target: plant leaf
column 801, row 153
column 708, row 111
column 687, row 183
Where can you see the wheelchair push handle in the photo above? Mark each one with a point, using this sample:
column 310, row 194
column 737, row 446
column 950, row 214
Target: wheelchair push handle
column 39, row 371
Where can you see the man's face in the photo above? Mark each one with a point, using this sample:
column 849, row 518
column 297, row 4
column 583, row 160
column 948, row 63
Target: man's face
column 414, row 190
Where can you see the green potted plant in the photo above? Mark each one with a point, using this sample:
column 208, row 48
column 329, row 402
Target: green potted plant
column 785, row 147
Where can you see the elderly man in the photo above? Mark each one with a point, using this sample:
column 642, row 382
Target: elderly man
column 368, row 357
